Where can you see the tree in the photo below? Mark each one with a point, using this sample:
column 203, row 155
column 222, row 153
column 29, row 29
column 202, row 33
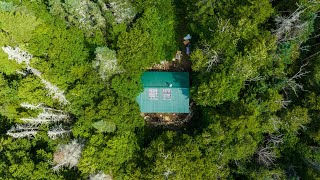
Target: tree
column 21, row 131
column 174, row 156
column 106, row 63
column 7, row 6
column 235, row 62
column 103, row 126
column 24, row 159
column 100, row 176
column 123, row 11
column 20, row 24
column 295, row 119
column 68, row 155
column 17, row 54
column 85, row 14
column 108, row 154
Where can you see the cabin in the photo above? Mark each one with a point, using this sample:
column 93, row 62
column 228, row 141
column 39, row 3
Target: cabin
column 164, row 92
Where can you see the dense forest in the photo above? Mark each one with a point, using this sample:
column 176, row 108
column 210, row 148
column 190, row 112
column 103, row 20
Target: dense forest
column 70, row 71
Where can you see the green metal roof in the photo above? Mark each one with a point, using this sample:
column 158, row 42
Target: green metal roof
column 164, row 92
column 161, row 79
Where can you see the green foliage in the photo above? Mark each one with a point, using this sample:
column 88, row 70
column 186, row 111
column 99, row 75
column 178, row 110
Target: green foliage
column 234, row 51
column 127, row 85
column 106, row 62
column 268, row 174
column 108, row 154
column 94, row 51
column 103, row 126
column 17, row 160
column 147, row 43
column 84, row 14
column 7, row 6
column 296, row 119
column 18, row 25
column 123, row 11
column 170, row 151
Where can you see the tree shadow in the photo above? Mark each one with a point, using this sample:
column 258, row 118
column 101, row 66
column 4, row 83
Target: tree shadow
column 182, row 79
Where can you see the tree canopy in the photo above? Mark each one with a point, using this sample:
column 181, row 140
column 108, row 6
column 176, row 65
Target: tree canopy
column 70, row 72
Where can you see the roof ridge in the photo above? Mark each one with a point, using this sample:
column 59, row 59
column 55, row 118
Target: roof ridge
column 164, row 87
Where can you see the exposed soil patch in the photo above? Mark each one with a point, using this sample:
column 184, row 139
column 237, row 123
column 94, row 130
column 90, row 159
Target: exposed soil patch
column 160, row 119
column 167, row 119
column 180, row 63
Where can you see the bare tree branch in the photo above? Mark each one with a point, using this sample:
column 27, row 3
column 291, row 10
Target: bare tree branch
column 266, row 156
column 300, row 73
column 223, row 24
column 289, row 28
column 284, row 103
column 213, row 57
column 100, row 176
column 47, row 116
column 68, row 155
column 57, row 132
column 21, row 131
column 275, row 121
column 275, row 139
column 167, row 173
column 291, row 82
column 17, row 54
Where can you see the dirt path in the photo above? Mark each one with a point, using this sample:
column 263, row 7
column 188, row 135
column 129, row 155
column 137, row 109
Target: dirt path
column 181, row 31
